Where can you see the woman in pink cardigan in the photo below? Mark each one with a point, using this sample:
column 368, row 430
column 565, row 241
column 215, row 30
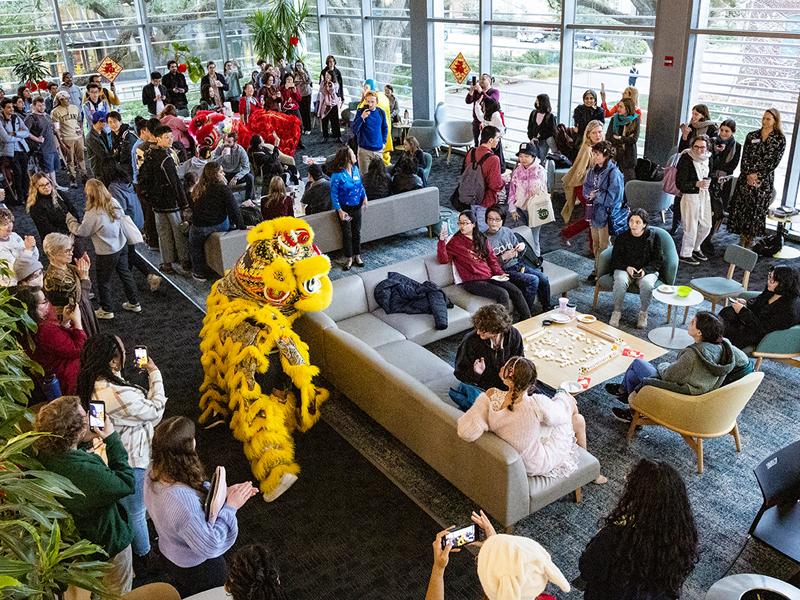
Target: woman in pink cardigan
column 180, row 128
column 543, row 430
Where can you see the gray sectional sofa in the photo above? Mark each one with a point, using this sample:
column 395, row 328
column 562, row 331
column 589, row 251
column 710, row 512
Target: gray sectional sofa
column 384, row 217
column 378, row 362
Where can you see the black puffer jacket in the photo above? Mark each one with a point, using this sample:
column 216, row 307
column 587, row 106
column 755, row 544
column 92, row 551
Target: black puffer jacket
column 401, row 294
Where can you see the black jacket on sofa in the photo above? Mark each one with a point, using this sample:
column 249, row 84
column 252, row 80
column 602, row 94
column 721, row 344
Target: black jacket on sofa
column 401, row 294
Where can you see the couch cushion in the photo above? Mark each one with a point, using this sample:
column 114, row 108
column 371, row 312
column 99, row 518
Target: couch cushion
column 469, row 302
column 422, row 365
column 420, row 329
column 413, row 268
column 441, row 275
column 441, row 387
column 561, row 279
column 349, row 298
column 370, row 330
column 546, row 490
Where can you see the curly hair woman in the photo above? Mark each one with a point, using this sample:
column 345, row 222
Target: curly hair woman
column 174, row 491
column 253, row 574
column 648, row 544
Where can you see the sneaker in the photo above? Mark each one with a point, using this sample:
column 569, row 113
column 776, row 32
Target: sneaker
column 154, row 281
column 690, row 260
column 197, row 277
column 103, row 314
column 615, row 389
column 135, row 308
column 641, row 322
column 284, row 484
column 622, row 414
column 699, row 255
column 615, row 316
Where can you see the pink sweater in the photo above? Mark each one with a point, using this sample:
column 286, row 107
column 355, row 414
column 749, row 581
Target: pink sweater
column 525, row 182
column 539, row 428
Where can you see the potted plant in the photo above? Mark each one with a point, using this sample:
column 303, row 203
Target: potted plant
column 187, row 62
column 277, row 31
column 30, row 66
column 41, row 553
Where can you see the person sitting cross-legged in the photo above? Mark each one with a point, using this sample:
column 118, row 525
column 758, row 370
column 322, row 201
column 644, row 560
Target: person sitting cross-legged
column 636, row 257
column 483, row 352
column 509, row 250
column 704, row 366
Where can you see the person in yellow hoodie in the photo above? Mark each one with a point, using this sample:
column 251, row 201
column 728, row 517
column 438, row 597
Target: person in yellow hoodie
column 383, row 104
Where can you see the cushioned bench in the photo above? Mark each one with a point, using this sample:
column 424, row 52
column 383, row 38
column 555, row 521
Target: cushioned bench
column 384, row 217
column 377, row 361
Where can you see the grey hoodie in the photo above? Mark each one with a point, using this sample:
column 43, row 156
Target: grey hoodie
column 700, row 368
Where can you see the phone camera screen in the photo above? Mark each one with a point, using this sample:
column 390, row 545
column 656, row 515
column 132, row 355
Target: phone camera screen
column 97, row 415
column 140, row 356
column 460, row 537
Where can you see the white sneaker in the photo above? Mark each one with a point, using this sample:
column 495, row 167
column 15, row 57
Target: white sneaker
column 285, row 483
column 641, row 322
column 154, row 281
column 135, row 308
column 615, row 316
column 102, row 314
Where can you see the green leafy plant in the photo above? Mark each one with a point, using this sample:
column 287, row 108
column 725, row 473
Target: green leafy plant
column 29, row 64
column 277, row 31
column 41, row 552
column 194, row 67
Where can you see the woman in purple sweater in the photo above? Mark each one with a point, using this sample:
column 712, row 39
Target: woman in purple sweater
column 174, row 494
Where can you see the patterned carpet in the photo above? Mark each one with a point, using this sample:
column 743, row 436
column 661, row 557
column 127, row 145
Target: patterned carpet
column 353, row 547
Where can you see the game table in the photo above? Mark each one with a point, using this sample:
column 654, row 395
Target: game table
column 590, row 353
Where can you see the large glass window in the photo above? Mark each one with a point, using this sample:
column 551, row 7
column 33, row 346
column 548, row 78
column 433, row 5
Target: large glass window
column 75, row 14
column 202, row 37
column 525, row 63
column 616, row 12
column 451, row 39
column 392, row 56
column 50, row 48
column 88, row 49
column 346, row 44
column 344, row 7
column 391, row 8
column 175, row 11
column 15, row 16
column 746, row 15
column 456, row 9
column 614, row 60
column 526, row 11
column 738, row 77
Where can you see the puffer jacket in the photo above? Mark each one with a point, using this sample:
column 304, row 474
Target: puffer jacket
column 401, row 294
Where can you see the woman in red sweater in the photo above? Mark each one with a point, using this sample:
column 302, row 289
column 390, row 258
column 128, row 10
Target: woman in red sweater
column 477, row 265
column 57, row 345
column 291, row 100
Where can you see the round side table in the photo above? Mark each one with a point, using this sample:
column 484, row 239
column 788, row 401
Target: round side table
column 671, row 336
column 734, row 587
column 787, row 252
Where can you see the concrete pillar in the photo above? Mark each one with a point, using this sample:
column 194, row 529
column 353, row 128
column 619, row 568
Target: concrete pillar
column 423, row 60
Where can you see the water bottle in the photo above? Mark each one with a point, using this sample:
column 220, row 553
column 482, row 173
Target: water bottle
column 51, row 387
column 405, row 116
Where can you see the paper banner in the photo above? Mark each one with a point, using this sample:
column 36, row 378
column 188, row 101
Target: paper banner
column 460, row 68
column 109, row 69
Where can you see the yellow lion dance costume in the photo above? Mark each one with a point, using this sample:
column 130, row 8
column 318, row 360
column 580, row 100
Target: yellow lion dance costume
column 250, row 313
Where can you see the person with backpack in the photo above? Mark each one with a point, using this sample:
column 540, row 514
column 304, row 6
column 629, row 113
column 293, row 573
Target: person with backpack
column 492, row 115
column 603, row 189
column 14, row 149
column 477, row 265
column 481, row 176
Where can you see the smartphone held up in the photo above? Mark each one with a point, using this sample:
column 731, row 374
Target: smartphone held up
column 460, row 536
column 140, row 356
column 97, row 415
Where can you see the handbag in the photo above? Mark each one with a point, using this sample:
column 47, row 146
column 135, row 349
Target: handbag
column 540, row 209
column 668, row 183
column 129, row 228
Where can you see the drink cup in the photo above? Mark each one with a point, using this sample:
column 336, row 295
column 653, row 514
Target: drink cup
column 562, row 305
column 570, row 310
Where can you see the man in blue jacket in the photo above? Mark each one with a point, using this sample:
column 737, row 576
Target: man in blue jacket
column 371, row 131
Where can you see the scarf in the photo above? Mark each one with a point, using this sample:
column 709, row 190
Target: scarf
column 618, row 122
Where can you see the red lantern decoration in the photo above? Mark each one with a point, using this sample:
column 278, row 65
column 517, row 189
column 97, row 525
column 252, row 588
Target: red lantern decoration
column 31, row 86
column 43, row 85
column 294, row 40
column 182, row 67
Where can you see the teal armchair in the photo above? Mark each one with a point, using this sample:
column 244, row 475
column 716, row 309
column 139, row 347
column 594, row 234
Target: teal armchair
column 782, row 346
column 668, row 273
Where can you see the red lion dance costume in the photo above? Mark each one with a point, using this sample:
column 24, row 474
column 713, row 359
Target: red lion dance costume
column 209, row 126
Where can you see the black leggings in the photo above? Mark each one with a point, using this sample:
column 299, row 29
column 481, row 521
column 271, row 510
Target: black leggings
column 502, row 292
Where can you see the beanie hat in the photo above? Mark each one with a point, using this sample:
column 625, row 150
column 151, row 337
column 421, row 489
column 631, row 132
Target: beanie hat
column 370, row 83
column 511, row 567
column 25, row 266
column 99, row 115
column 62, row 94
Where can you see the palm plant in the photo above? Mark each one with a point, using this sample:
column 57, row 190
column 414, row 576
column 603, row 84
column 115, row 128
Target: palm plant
column 41, row 552
column 29, row 63
column 277, row 31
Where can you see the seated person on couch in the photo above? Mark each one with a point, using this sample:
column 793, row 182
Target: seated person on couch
column 709, row 363
column 483, row 352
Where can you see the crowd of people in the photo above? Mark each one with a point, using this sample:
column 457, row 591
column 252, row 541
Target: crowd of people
column 151, row 181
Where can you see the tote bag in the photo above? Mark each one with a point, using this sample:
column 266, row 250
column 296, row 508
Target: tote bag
column 540, row 209
column 129, row 228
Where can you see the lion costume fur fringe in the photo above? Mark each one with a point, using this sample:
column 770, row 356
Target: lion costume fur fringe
column 250, row 312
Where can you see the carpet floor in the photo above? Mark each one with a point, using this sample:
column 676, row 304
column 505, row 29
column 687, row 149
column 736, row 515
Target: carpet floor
column 337, row 536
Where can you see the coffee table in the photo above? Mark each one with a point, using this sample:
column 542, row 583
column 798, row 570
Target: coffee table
column 553, row 375
column 671, row 336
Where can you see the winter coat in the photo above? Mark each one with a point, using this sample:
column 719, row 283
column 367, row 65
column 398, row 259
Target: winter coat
column 401, row 294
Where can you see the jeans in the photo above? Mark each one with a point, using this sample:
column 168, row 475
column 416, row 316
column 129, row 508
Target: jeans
column 533, row 284
column 249, row 182
column 197, row 242
column 137, row 515
column 351, row 231
column 636, row 374
column 465, row 395
column 621, row 283
column 135, row 261
column 105, row 265
column 501, row 292
column 171, row 240
column 19, row 167
column 150, row 231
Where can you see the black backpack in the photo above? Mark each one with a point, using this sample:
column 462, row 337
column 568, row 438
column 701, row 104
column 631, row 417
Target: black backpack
column 647, row 170
column 769, row 245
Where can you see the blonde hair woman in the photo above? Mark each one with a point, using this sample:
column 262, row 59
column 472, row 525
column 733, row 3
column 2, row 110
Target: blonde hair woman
column 276, row 203
column 48, row 209
column 574, row 178
column 103, row 224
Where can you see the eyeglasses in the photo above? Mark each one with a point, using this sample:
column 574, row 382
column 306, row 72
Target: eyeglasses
column 700, row 147
column 465, row 222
